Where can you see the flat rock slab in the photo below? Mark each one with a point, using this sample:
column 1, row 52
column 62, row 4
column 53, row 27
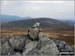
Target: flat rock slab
column 43, row 48
column 30, row 46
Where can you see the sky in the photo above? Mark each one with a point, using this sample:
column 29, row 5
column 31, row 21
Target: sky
column 49, row 9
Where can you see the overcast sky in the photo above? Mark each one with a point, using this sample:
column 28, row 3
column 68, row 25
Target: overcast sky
column 50, row 9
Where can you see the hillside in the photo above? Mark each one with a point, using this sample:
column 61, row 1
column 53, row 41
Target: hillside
column 55, row 29
column 44, row 23
column 69, row 21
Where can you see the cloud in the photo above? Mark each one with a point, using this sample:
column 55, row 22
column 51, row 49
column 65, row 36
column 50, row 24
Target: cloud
column 51, row 9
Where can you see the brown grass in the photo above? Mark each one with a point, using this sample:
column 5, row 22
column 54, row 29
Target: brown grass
column 67, row 36
column 12, row 33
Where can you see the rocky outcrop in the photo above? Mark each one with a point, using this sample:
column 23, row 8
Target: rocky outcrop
column 64, row 48
column 24, row 46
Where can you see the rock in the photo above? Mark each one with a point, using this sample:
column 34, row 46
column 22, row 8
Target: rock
column 17, row 42
column 30, row 46
column 24, row 46
column 4, row 39
column 5, row 48
column 50, row 49
column 12, row 44
column 62, row 46
column 44, row 38
column 46, row 48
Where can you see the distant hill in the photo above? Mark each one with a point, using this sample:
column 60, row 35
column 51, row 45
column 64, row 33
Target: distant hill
column 8, row 18
column 69, row 21
column 44, row 23
column 72, row 22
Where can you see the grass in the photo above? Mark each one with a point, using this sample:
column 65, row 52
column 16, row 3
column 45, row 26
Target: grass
column 67, row 36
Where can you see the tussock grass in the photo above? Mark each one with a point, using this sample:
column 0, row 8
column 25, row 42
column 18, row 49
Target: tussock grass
column 67, row 36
